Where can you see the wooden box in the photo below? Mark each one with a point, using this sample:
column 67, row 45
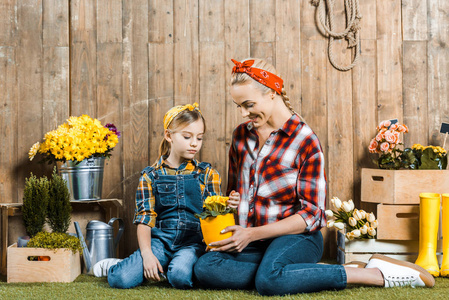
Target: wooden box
column 63, row 265
column 402, row 186
column 362, row 250
column 398, row 222
column 11, row 222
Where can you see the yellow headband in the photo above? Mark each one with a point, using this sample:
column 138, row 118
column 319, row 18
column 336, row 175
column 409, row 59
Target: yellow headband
column 174, row 111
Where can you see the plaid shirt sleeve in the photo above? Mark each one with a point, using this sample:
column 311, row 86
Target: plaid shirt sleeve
column 213, row 183
column 312, row 189
column 145, row 202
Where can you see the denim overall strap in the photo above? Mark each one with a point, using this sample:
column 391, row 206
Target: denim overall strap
column 147, row 170
column 204, row 165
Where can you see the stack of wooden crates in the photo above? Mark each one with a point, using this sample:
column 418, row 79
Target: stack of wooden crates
column 396, row 193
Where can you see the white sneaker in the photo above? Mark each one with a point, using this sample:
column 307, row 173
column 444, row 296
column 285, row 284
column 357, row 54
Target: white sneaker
column 101, row 268
column 400, row 273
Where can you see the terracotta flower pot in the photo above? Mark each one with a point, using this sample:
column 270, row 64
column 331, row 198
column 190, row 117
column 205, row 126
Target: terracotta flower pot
column 212, row 226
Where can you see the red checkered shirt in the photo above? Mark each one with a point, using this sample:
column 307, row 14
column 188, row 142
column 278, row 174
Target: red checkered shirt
column 285, row 177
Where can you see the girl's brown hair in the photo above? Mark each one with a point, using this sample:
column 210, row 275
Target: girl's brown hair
column 183, row 119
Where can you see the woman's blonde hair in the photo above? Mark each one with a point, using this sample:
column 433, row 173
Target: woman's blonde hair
column 183, row 119
column 243, row 78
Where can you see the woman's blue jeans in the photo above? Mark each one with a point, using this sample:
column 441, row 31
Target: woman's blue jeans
column 284, row 265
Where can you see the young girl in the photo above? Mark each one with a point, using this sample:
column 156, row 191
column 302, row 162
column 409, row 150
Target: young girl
column 169, row 195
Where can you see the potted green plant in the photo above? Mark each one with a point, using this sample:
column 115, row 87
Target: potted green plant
column 59, row 207
column 34, row 209
column 215, row 217
column 428, row 157
column 48, row 201
column 61, row 250
column 403, row 173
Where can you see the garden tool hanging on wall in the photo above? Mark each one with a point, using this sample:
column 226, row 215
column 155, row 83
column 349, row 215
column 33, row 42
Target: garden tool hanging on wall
column 325, row 20
column 429, row 212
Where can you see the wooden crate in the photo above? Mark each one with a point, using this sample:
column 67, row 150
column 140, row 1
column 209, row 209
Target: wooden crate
column 402, row 186
column 398, row 222
column 11, row 222
column 63, row 266
column 362, row 250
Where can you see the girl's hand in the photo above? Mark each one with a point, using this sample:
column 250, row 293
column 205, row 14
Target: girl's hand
column 240, row 238
column 234, row 199
column 151, row 266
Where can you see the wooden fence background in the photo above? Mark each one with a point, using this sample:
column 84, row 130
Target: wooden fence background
column 127, row 62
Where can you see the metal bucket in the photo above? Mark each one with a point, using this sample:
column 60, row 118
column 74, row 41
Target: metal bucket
column 84, row 180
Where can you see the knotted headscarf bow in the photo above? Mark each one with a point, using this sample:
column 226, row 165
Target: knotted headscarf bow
column 264, row 77
column 174, row 111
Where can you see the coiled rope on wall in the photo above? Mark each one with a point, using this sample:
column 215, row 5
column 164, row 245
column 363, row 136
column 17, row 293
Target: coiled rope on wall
column 325, row 11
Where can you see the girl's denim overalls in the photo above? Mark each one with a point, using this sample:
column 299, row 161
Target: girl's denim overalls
column 176, row 240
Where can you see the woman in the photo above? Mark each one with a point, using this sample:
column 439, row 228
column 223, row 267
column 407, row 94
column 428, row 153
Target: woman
column 277, row 166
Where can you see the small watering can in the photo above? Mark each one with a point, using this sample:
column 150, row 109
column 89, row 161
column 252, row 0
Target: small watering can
column 100, row 242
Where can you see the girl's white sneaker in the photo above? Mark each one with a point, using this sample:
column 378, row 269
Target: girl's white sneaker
column 101, row 268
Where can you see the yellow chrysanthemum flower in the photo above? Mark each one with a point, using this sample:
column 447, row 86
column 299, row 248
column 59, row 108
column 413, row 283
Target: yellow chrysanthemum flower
column 89, row 148
column 77, row 138
column 417, row 147
column 58, row 153
column 33, row 151
column 97, row 123
column 85, row 153
column 44, row 147
column 216, row 203
column 97, row 139
column 102, row 148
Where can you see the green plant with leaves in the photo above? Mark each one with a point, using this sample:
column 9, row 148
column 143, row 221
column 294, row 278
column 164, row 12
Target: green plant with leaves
column 429, row 157
column 391, row 157
column 59, row 207
column 55, row 240
column 35, row 201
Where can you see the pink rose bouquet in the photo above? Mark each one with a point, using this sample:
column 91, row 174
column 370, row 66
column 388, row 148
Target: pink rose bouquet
column 386, row 143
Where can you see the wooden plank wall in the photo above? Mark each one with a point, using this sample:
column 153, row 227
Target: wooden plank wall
column 127, row 62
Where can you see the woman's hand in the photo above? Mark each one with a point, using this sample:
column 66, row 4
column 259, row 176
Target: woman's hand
column 151, row 266
column 234, row 199
column 240, row 238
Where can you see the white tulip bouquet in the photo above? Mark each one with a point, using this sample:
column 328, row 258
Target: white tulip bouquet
column 358, row 223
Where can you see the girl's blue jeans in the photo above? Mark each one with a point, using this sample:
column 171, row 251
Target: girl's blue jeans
column 177, row 265
column 284, row 265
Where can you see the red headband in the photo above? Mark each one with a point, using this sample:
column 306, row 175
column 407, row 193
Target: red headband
column 264, row 77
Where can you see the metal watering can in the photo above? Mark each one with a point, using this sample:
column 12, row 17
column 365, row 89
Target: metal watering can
column 100, row 242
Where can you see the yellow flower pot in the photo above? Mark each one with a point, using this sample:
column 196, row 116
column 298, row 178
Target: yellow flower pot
column 212, row 226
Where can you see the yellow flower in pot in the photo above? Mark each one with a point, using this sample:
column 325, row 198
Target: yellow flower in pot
column 79, row 147
column 215, row 217
column 77, row 139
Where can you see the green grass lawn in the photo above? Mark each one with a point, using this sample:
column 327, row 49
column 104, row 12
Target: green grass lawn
column 89, row 287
